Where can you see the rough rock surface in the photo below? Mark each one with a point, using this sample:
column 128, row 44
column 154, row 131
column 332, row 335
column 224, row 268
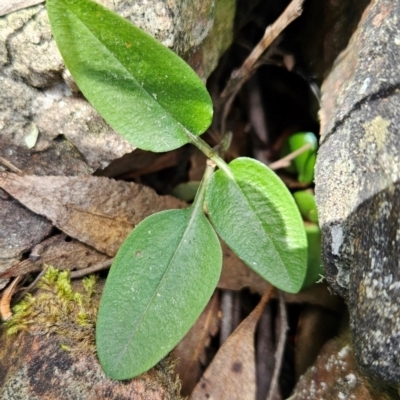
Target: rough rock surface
column 40, row 368
column 334, row 376
column 357, row 186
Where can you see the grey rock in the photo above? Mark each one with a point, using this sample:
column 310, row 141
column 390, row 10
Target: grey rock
column 357, row 186
column 35, row 100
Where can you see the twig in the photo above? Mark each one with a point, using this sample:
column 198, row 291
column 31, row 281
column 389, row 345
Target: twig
column 5, row 302
column 285, row 161
column 29, row 288
column 92, row 269
column 10, row 166
column 73, row 275
column 226, row 321
column 280, row 348
column 239, row 76
column 256, row 112
column 264, row 354
column 37, row 251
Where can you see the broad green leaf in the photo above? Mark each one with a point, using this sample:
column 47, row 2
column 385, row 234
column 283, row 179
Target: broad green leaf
column 141, row 88
column 162, row 278
column 255, row 214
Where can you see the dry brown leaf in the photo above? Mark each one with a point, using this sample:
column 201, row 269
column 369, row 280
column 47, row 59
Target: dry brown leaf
column 191, row 351
column 60, row 253
column 20, row 229
column 232, row 373
column 141, row 162
column 5, row 301
column 236, row 275
column 95, row 210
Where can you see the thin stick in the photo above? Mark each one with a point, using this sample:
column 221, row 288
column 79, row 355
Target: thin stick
column 226, row 321
column 90, row 270
column 37, row 251
column 264, row 351
column 285, row 161
column 240, row 76
column 280, row 348
column 73, row 275
column 10, row 166
column 29, row 288
column 5, row 302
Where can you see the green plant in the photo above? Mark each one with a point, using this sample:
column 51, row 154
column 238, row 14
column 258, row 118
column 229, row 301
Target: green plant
column 304, row 163
column 168, row 267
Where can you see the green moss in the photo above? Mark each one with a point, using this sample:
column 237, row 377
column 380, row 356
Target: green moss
column 57, row 307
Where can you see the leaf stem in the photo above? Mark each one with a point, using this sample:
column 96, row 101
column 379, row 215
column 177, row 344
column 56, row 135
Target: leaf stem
column 209, row 153
column 199, row 199
column 285, row 161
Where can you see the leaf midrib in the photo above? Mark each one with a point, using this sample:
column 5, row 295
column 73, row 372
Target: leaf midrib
column 260, row 223
column 167, row 270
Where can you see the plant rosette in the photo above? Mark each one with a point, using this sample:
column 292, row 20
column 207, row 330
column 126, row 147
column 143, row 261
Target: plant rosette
column 168, row 267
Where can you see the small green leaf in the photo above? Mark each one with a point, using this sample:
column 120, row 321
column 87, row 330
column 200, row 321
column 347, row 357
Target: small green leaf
column 255, row 214
column 146, row 92
column 186, row 191
column 162, row 278
column 305, row 201
column 314, row 261
column 304, row 163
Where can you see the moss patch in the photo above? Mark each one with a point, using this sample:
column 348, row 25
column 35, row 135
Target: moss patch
column 59, row 307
